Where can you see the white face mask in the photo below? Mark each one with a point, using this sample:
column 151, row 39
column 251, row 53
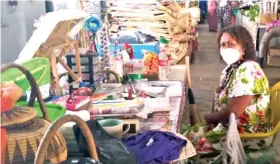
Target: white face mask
column 230, row 55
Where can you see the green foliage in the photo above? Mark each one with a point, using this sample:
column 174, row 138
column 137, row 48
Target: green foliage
column 252, row 13
column 215, row 136
column 185, row 128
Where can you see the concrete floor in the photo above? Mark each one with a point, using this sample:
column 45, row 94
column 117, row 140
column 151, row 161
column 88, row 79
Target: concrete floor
column 206, row 70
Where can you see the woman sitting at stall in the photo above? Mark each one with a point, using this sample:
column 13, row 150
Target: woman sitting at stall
column 243, row 90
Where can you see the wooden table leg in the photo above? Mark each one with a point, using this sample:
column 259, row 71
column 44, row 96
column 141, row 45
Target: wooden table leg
column 74, row 76
column 78, row 62
column 55, row 73
column 77, row 57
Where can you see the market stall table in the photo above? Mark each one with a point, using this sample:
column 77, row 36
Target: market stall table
column 155, row 120
column 175, row 115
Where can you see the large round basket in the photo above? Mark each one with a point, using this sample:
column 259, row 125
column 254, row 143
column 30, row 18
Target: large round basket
column 25, row 130
column 45, row 143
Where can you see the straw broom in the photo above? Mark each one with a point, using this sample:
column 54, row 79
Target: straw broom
column 194, row 112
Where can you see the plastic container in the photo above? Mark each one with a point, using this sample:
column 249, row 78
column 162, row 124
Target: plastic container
column 169, row 58
column 164, row 45
column 135, row 77
column 38, row 67
column 118, row 65
column 55, row 111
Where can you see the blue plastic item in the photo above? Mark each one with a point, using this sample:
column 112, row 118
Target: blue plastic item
column 92, row 24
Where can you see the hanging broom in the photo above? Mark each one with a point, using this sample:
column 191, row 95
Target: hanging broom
column 194, row 113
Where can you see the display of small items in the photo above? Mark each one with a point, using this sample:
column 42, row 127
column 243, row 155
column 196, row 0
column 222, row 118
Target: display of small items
column 117, row 42
column 105, row 52
column 90, row 65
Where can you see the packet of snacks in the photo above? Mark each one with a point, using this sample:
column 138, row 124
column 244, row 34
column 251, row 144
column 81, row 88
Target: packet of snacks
column 150, row 63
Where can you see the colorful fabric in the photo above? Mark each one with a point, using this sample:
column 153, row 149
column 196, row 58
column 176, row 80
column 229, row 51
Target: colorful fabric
column 247, row 79
column 156, row 147
column 227, row 75
column 272, row 25
column 3, row 144
column 226, row 15
column 10, row 93
column 203, row 9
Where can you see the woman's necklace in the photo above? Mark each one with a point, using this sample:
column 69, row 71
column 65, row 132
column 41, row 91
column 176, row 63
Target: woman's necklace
column 229, row 72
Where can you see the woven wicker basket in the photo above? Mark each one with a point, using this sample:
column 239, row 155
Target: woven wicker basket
column 25, row 130
column 44, row 145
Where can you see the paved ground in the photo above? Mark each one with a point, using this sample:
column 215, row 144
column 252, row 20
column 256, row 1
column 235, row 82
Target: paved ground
column 205, row 72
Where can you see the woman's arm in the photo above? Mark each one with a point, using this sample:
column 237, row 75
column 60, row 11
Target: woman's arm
column 236, row 105
column 213, row 106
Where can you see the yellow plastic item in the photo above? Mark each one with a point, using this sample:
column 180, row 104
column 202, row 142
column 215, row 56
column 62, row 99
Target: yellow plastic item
column 275, row 112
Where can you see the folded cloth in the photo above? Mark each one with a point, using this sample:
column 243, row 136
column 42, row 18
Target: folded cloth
column 232, row 147
column 272, row 25
column 156, row 147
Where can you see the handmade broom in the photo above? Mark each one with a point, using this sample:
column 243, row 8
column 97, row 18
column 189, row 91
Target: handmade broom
column 194, row 113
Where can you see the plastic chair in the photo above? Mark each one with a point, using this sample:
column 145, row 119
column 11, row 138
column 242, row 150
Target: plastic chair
column 269, row 154
column 275, row 116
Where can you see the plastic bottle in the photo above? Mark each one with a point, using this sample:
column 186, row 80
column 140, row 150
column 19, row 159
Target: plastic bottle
column 169, row 58
column 119, row 64
column 164, row 45
column 163, row 65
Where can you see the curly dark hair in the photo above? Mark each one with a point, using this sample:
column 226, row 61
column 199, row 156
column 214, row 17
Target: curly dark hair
column 243, row 37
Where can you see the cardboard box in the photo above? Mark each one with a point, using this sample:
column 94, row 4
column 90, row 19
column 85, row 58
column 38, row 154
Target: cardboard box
column 273, row 57
column 266, row 18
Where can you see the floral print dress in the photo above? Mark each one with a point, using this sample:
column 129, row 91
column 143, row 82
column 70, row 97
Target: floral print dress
column 247, row 79
column 226, row 15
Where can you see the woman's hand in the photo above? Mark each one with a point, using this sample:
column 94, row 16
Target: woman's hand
column 210, row 127
column 236, row 105
column 215, row 118
column 207, row 119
